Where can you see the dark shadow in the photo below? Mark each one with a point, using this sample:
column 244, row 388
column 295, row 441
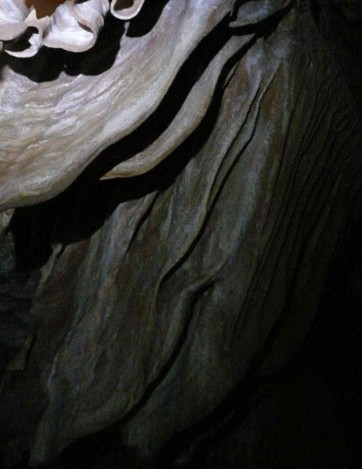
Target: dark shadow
column 316, row 11
column 143, row 23
column 332, row 349
column 31, row 238
column 49, row 63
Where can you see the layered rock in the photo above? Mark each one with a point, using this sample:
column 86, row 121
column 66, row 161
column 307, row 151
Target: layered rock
column 196, row 190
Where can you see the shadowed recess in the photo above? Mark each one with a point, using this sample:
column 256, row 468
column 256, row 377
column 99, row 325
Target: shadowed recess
column 44, row 7
column 48, row 63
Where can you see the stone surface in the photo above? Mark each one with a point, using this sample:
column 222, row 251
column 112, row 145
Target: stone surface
column 232, row 141
column 52, row 146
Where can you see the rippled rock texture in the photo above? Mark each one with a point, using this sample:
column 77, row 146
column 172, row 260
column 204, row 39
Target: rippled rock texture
column 180, row 189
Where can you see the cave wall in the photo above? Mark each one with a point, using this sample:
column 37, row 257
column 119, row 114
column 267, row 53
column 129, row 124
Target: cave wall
column 170, row 297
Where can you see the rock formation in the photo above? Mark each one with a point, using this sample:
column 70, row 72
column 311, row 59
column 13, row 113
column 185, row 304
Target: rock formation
column 182, row 174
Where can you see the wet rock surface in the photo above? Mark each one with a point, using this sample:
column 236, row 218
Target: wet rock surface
column 161, row 294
